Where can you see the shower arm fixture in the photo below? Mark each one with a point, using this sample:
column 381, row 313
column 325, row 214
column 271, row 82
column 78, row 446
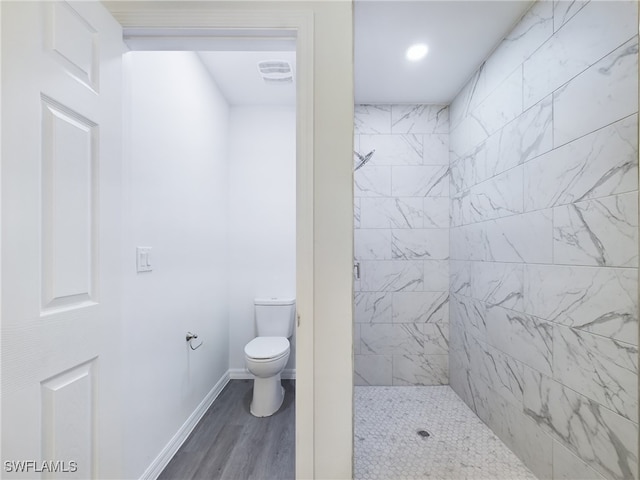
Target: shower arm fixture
column 363, row 159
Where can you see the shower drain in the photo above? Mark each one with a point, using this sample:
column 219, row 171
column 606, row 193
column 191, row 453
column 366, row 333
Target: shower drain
column 423, row 433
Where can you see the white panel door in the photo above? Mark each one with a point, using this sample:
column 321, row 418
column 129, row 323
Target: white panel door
column 61, row 176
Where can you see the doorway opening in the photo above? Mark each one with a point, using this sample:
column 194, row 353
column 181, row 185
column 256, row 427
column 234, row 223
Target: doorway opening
column 211, row 187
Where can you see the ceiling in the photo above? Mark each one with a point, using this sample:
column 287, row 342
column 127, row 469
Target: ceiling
column 460, row 35
column 237, row 76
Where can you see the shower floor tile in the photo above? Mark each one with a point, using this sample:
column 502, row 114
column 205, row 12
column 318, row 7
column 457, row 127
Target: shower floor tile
column 458, row 445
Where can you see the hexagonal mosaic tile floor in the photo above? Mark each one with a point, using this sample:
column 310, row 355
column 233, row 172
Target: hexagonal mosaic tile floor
column 404, row 433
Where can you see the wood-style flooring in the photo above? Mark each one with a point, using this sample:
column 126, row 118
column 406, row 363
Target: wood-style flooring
column 230, row 443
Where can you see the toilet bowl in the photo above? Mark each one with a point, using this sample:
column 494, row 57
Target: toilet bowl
column 265, row 358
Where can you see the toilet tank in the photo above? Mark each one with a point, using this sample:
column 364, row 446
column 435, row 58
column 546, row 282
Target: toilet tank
column 275, row 317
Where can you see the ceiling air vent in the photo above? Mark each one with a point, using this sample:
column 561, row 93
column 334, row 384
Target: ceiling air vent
column 275, row 71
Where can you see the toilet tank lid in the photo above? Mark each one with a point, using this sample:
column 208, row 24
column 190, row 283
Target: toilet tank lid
column 274, row 301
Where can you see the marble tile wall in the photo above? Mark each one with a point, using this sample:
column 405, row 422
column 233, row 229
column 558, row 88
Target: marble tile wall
column 402, row 245
column 544, row 240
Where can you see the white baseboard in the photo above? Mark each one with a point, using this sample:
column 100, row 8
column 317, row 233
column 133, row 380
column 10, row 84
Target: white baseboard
column 243, row 374
column 167, row 453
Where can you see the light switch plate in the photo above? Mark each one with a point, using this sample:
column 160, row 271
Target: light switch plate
column 143, row 259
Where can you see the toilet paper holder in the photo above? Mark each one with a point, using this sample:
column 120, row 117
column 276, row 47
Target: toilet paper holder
column 190, row 337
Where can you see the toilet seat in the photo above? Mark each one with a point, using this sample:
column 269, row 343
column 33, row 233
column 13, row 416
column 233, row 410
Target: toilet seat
column 267, row 348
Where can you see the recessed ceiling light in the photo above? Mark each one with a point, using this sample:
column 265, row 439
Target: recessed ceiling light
column 417, row 52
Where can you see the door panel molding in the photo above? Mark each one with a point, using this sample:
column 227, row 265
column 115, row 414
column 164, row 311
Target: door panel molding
column 69, row 420
column 74, row 43
column 70, row 192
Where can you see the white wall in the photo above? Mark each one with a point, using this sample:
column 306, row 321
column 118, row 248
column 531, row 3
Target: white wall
column 177, row 184
column 262, row 220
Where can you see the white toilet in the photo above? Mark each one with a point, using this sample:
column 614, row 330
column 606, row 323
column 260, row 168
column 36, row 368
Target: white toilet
column 267, row 354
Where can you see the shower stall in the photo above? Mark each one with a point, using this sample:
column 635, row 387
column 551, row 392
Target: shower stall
column 497, row 243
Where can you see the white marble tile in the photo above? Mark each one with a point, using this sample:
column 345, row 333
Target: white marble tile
column 499, row 108
column 502, row 105
column 532, row 30
column 372, row 244
column 436, row 276
column 455, row 214
column 420, row 181
column 602, row 369
column 420, row 244
column 459, row 375
column 500, row 372
column 471, row 356
column 469, row 97
column 604, row 440
column 460, row 205
column 372, row 119
column 393, row 149
column 420, row 307
column 372, row 181
column 356, row 213
column 395, row 339
column 568, row 466
column 356, row 339
column 470, row 170
column 460, row 277
column 435, row 149
column 468, row 242
column 480, row 395
column 597, row 232
column 391, row 212
column 373, row 307
column 391, row 276
column 436, row 339
column 522, row 435
column 457, row 175
column 498, row 284
column 493, row 283
column 592, row 33
column 604, row 93
column 436, row 212
column 373, row 370
column 602, row 163
column 597, row 300
column 419, row 119
column 521, row 336
column 497, row 197
column 525, row 138
column 519, row 238
column 420, row 370
column 466, row 137
column 535, row 27
column 471, row 314
column 564, row 10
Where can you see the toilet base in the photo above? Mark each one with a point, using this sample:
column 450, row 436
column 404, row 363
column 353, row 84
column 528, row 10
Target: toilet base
column 268, row 395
